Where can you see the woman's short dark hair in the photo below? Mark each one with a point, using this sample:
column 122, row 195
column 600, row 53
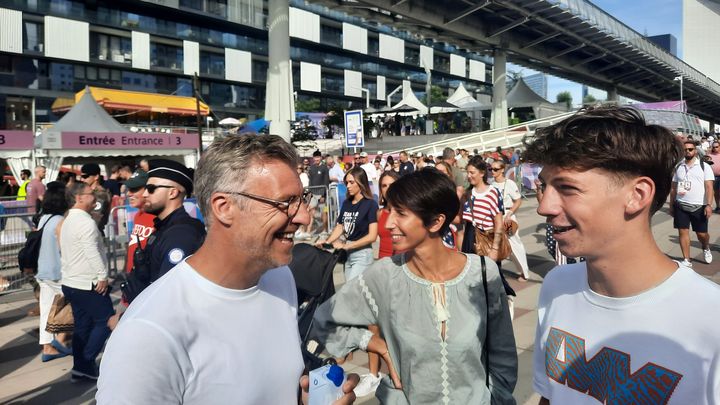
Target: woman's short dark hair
column 361, row 179
column 54, row 201
column 615, row 139
column 387, row 173
column 426, row 193
column 479, row 163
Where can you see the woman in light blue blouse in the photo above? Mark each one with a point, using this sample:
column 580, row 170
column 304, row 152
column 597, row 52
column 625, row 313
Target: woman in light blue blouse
column 444, row 339
column 54, row 206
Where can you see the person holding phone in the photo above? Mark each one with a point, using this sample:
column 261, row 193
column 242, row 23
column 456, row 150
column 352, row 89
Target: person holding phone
column 441, row 340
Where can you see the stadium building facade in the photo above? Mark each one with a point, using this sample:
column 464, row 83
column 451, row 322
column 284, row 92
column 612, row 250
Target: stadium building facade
column 51, row 49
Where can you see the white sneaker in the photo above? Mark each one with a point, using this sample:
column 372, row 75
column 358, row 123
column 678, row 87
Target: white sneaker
column 367, row 385
column 686, row 263
column 708, row 256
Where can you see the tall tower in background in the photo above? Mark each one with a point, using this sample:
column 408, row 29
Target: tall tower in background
column 701, row 36
column 538, row 83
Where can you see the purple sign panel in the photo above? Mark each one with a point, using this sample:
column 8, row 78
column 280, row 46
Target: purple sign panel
column 114, row 140
column 662, row 105
column 16, row 140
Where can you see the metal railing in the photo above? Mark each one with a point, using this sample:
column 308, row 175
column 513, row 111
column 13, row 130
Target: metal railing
column 511, row 136
column 116, row 237
column 15, row 228
column 325, row 193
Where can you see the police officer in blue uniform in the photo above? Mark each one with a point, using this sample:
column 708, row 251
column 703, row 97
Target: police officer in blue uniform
column 177, row 235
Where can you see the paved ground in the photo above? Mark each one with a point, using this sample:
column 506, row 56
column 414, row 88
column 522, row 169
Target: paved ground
column 25, row 379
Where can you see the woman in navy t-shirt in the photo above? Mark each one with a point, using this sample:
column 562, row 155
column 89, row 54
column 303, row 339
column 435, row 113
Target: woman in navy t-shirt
column 357, row 222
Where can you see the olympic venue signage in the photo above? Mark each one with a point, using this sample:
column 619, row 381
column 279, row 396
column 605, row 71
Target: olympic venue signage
column 117, row 140
column 16, row 140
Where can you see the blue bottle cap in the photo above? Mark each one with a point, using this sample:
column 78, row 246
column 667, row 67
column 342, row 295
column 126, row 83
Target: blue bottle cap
column 335, row 374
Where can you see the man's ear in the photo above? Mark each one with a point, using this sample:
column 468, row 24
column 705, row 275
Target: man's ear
column 221, row 206
column 641, row 195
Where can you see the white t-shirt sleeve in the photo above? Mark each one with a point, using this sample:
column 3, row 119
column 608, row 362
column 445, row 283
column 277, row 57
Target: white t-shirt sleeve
column 540, row 378
column 140, row 365
column 708, row 173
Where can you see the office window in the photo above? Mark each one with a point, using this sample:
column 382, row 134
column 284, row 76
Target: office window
column 110, row 48
column 412, row 56
column 212, row 64
column 259, row 71
column 33, row 37
column 166, row 56
column 331, row 35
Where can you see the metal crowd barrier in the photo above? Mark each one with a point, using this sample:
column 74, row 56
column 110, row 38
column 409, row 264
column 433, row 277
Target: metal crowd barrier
column 15, row 228
column 325, row 193
column 116, row 239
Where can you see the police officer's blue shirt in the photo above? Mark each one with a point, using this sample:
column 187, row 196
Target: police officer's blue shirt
column 176, row 236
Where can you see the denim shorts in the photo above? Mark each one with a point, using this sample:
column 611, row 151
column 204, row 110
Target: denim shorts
column 357, row 262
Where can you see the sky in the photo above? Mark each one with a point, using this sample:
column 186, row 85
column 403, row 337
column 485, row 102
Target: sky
column 648, row 17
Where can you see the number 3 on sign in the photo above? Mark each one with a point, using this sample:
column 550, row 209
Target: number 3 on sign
column 2, row 139
column 178, row 141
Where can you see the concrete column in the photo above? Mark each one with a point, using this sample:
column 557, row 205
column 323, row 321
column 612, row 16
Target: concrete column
column 499, row 115
column 279, row 102
column 711, row 128
column 612, row 94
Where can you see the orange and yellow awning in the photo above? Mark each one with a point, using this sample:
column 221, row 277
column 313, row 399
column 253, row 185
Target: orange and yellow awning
column 112, row 99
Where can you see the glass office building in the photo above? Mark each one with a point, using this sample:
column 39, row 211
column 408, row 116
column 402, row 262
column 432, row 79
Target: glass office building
column 51, row 49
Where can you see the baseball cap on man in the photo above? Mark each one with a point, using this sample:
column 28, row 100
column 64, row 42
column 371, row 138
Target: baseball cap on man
column 363, row 154
column 419, row 155
column 92, row 169
column 172, row 170
column 137, row 180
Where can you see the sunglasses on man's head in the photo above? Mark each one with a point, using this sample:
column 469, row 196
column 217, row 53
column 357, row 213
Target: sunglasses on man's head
column 689, row 149
column 495, row 169
column 85, row 176
column 152, row 187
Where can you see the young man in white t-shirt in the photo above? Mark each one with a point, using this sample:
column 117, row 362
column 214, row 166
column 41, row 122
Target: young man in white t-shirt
column 691, row 201
column 221, row 327
column 629, row 325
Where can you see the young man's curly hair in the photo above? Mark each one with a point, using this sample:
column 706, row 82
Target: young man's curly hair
column 616, row 139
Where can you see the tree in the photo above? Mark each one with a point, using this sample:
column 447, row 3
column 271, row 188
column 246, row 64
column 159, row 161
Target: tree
column 335, row 118
column 436, row 94
column 589, row 99
column 307, row 105
column 565, row 97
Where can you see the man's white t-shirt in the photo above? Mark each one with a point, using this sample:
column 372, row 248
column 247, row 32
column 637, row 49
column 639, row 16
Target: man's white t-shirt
column 373, row 176
column 696, row 176
column 659, row 347
column 188, row 340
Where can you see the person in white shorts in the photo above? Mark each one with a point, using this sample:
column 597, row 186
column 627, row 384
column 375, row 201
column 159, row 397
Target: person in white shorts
column 629, row 325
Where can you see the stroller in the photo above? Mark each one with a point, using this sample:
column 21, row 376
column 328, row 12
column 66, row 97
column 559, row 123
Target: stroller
column 313, row 270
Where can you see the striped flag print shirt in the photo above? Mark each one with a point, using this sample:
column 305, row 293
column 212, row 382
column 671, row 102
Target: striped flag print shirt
column 482, row 208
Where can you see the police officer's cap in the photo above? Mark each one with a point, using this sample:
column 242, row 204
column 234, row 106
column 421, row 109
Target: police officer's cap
column 171, row 170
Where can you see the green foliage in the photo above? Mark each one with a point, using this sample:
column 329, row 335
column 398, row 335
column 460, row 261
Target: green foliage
column 309, row 105
column 589, row 99
column 436, row 94
column 565, row 97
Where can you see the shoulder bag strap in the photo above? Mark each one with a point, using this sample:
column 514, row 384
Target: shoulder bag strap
column 486, row 348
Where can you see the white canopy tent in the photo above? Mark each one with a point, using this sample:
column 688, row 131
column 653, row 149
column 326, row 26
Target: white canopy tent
column 410, row 100
column 464, row 100
column 90, row 122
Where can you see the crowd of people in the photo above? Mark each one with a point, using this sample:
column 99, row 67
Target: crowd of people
column 416, row 124
column 209, row 311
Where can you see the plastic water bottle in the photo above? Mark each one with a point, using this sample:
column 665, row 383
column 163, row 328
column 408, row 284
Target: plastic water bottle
column 326, row 384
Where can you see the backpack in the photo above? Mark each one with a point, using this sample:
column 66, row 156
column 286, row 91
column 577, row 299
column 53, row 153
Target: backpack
column 29, row 254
